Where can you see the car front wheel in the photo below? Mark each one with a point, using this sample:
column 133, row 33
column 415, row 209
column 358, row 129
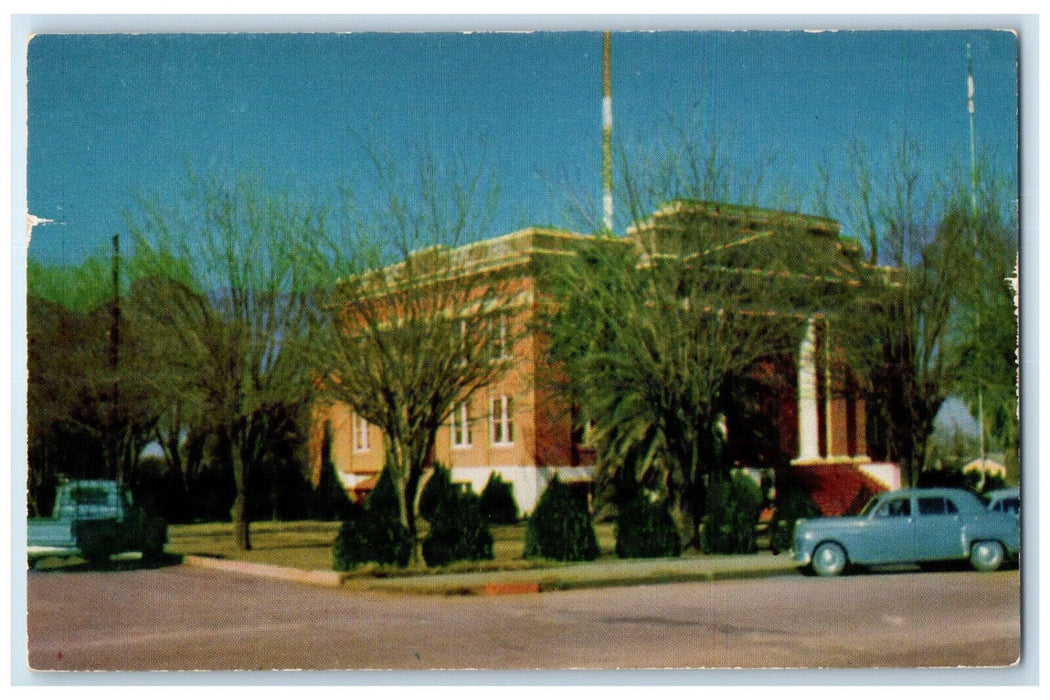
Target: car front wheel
column 829, row 559
column 986, row 555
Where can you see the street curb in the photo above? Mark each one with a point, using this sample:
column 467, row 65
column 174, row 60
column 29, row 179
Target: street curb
column 551, row 583
column 329, row 579
column 543, row 580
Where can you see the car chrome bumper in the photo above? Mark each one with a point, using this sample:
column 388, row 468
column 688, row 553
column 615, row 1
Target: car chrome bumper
column 39, row 551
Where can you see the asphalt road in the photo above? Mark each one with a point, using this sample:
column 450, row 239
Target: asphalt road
column 181, row 618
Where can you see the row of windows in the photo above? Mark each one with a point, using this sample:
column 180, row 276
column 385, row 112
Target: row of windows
column 501, row 425
column 901, row 507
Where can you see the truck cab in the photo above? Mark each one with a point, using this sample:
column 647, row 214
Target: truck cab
column 94, row 519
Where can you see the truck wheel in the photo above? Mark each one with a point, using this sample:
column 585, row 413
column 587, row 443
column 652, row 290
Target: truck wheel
column 153, row 552
column 97, row 551
column 829, row 559
column 97, row 559
column 986, row 555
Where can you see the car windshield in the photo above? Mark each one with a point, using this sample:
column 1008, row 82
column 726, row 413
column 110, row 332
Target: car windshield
column 89, row 496
column 869, row 506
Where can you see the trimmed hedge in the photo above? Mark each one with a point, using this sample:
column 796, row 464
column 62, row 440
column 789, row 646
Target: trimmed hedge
column 645, row 529
column 734, row 507
column 497, row 501
column 374, row 533
column 560, row 528
column 792, row 502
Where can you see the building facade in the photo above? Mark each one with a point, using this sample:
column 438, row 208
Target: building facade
column 517, row 426
column 521, row 428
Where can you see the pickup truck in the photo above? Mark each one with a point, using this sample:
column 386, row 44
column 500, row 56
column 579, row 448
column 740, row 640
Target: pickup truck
column 93, row 520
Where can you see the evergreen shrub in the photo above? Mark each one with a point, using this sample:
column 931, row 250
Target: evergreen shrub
column 645, row 529
column 374, row 533
column 435, row 490
column 792, row 502
column 734, row 506
column 353, row 543
column 330, row 500
column 497, row 501
column 457, row 531
column 560, row 528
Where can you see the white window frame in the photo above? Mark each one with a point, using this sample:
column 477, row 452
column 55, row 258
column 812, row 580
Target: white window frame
column 501, row 416
column 498, row 341
column 360, row 433
column 460, row 426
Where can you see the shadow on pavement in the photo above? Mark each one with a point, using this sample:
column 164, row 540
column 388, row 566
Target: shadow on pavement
column 125, row 563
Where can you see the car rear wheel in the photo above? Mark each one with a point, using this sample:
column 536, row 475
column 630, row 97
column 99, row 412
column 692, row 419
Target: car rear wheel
column 986, row 555
column 829, row 559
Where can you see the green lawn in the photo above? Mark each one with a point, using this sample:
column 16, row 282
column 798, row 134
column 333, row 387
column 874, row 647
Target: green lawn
column 308, row 544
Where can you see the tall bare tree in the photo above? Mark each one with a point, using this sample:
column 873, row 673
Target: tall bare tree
column 417, row 320
column 682, row 158
column 223, row 272
column 914, row 322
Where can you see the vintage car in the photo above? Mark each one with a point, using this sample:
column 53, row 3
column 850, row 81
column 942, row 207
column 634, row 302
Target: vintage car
column 1005, row 501
column 908, row 526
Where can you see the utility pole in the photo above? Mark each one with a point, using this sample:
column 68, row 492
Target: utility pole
column 607, row 164
column 114, row 365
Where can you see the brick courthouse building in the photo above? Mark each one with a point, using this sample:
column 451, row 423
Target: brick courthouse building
column 521, row 429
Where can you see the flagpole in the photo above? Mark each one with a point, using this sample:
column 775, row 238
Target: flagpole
column 607, row 198
column 973, row 222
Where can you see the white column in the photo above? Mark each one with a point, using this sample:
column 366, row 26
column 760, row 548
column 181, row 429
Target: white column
column 808, row 438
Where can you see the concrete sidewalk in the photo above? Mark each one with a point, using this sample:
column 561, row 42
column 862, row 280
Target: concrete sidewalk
column 622, row 572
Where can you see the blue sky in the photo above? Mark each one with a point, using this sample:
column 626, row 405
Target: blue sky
column 110, row 116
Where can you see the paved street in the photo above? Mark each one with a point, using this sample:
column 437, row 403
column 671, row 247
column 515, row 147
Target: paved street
column 184, row 618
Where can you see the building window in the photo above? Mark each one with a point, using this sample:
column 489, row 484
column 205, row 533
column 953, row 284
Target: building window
column 360, row 430
column 498, row 348
column 502, row 421
column 461, row 436
column 464, row 350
